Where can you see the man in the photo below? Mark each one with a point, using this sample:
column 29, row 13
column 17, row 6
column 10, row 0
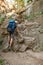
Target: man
column 12, row 25
column 11, row 29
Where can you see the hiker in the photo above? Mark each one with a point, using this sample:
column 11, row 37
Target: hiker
column 11, row 28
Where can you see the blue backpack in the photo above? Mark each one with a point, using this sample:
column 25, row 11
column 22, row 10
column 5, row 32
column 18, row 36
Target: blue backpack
column 11, row 26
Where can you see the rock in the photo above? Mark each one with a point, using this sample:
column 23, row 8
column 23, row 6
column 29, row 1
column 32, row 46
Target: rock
column 21, row 40
column 23, row 48
column 16, row 47
column 30, row 41
column 5, row 43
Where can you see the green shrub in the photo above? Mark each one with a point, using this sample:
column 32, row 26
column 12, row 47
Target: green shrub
column 41, row 46
column 2, row 62
column 1, row 19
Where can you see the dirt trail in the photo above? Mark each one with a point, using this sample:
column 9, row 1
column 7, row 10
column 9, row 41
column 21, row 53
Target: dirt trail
column 25, row 58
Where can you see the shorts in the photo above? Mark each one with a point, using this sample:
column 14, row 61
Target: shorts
column 11, row 34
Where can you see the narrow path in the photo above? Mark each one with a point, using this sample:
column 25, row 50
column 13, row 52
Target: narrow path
column 25, row 58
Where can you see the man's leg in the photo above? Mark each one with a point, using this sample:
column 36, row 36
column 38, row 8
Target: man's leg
column 11, row 40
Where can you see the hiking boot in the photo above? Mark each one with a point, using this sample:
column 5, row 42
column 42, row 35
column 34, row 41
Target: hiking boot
column 9, row 48
column 12, row 49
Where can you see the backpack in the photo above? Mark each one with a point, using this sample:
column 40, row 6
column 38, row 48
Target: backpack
column 11, row 26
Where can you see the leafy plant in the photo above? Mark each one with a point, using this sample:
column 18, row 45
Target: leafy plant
column 1, row 19
column 2, row 62
column 41, row 46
